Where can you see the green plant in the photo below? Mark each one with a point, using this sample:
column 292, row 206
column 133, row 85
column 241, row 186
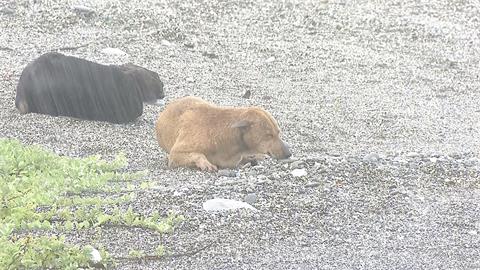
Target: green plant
column 42, row 191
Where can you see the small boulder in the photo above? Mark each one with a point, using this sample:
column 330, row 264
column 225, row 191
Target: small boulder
column 215, row 205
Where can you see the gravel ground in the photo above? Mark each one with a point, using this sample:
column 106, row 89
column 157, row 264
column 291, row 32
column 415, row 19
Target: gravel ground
column 378, row 100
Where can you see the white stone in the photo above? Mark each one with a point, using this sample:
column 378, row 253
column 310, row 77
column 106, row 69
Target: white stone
column 270, row 60
column 225, row 205
column 95, row 255
column 299, row 172
column 113, row 51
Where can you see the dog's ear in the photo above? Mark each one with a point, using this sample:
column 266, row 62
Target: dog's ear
column 243, row 124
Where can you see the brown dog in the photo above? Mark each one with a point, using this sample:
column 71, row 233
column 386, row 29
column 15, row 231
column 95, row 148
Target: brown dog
column 196, row 133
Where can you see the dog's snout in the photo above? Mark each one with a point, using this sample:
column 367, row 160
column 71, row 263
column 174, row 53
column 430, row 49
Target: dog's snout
column 286, row 151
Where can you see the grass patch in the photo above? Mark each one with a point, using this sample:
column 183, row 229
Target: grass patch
column 41, row 191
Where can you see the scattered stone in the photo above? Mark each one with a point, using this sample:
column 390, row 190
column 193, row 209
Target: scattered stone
column 312, row 184
column 288, row 160
column 372, row 157
column 261, row 177
column 214, row 205
column 210, row 55
column 247, row 94
column 433, row 159
column 299, row 172
column 258, row 168
column 250, row 198
column 190, row 80
column 228, row 173
column 448, row 181
column 177, row 193
column 167, row 43
column 95, row 256
column 190, row 45
column 7, row 11
column 296, row 164
column 114, row 51
column 412, row 154
column 399, row 159
column 83, row 9
column 270, row 59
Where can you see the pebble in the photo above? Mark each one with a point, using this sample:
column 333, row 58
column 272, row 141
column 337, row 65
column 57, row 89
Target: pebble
column 372, row 157
column 412, row 154
column 83, row 9
column 228, row 173
column 296, row 164
column 258, row 168
column 247, row 94
column 210, row 55
column 299, row 172
column 250, row 198
column 219, row 204
column 270, row 59
column 189, row 45
column 95, row 256
column 167, row 43
column 288, row 160
column 113, row 51
column 312, row 184
column 7, row 10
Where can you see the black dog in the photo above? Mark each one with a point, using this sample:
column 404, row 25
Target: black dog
column 60, row 85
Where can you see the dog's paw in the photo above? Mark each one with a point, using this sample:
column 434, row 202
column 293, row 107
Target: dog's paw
column 205, row 165
column 252, row 159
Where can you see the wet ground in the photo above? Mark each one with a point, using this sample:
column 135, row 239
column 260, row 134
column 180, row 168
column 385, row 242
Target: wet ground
column 379, row 102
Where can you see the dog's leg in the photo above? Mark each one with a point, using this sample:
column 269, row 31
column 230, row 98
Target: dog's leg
column 177, row 159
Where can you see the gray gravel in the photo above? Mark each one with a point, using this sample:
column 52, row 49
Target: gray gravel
column 379, row 101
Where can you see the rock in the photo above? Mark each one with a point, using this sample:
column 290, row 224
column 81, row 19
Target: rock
column 270, row 59
column 412, row 154
column 215, row 205
column 114, row 51
column 296, row 164
column 210, row 55
column 167, row 43
column 228, row 173
column 258, row 168
column 83, row 9
column 250, row 198
column 177, row 193
column 190, row 45
column 288, row 160
column 433, row 159
column 190, row 80
column 299, row 172
column 247, row 94
column 7, row 11
column 399, row 159
column 261, row 177
column 372, row 157
column 312, row 184
column 95, row 256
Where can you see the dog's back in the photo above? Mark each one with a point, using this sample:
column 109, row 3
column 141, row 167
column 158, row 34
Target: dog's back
column 169, row 120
